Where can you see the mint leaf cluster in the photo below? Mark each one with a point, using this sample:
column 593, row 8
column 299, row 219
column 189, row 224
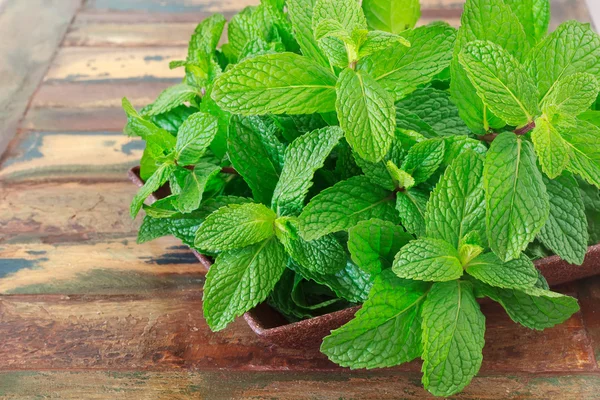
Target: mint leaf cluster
column 332, row 154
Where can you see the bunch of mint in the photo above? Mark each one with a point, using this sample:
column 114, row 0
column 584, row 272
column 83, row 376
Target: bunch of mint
column 332, row 154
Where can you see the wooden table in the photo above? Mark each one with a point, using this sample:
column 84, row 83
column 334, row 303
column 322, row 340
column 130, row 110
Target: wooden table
column 86, row 313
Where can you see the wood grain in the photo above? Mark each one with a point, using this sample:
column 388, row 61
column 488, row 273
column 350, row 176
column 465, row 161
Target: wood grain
column 79, row 64
column 25, row 55
column 241, row 385
column 68, row 155
column 57, row 212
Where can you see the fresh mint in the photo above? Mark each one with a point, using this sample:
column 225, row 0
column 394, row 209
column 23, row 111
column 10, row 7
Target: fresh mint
column 332, row 154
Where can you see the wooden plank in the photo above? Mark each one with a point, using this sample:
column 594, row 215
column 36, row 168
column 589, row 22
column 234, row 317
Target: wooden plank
column 75, row 119
column 166, row 330
column 79, row 64
column 173, row 6
column 589, row 299
column 25, row 55
column 594, row 9
column 226, row 385
column 104, row 267
column 66, row 212
column 67, row 155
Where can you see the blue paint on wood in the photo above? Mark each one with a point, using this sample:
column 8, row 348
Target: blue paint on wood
column 11, row 265
column 127, row 148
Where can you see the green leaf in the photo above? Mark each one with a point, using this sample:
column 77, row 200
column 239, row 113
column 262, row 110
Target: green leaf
column 411, row 124
column 572, row 94
column 551, row 149
column 424, row 158
column 194, row 136
column 411, row 205
column 378, row 172
column 391, row 15
column 374, row 243
column 494, row 21
column 256, row 155
column 457, row 145
column 515, row 274
column 324, row 255
column 453, row 337
column 379, row 40
column 153, row 228
column 435, row 108
column 428, row 260
column 457, row 204
column 516, row 198
column 195, row 183
column 534, row 16
column 303, row 157
column 235, row 226
column 533, row 308
column 386, row 331
column 401, row 70
column 401, row 178
column 250, row 23
column 501, row 81
column 206, row 37
column 276, row 83
column 241, row 279
column 158, row 141
column 170, row 98
column 153, row 183
column 583, row 139
column 351, row 283
column 565, row 232
column 573, row 47
column 301, row 15
column 344, row 205
column 366, row 114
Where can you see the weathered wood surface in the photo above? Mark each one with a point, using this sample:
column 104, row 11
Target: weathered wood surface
column 85, row 312
column 30, row 32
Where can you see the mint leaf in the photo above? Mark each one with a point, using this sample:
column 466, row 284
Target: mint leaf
column 411, row 205
column 366, row 114
column 153, row 228
column 301, row 15
column 250, row 23
column 378, row 172
column 386, row 331
column 379, row 40
column 457, row 204
column 303, row 157
column 583, row 139
column 573, row 47
column 533, row 308
column 171, row 98
column 256, row 155
column 428, row 260
column 565, row 232
column 534, row 16
column 424, row 158
column 195, row 184
column 453, row 337
column 241, row 279
column 409, row 123
column 194, row 136
column 206, row 37
column 515, row 274
column 347, row 13
column 494, row 21
column 374, row 243
column 391, row 15
column 324, row 255
column 551, row 149
column 435, row 108
column 516, row 198
column 344, row 205
column 401, row 70
column 235, row 226
column 158, row 141
column 276, row 83
column 572, row 94
column 457, row 145
column 153, row 183
column 501, row 81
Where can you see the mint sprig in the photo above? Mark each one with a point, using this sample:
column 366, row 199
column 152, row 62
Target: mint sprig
column 331, row 154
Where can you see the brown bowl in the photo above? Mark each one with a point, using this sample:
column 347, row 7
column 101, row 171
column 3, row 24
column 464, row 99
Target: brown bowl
column 272, row 327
